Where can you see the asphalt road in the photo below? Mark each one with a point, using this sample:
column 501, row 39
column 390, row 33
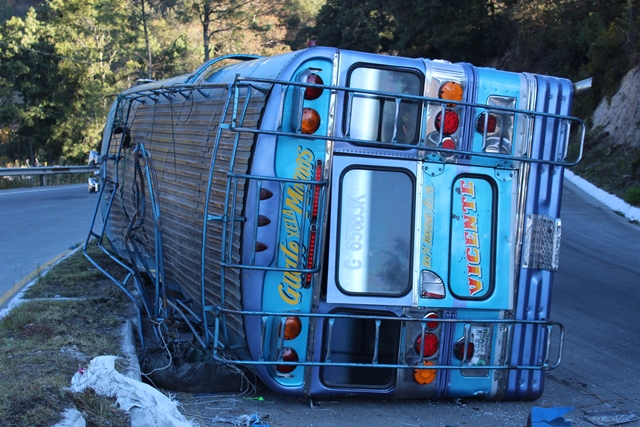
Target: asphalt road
column 595, row 297
column 37, row 227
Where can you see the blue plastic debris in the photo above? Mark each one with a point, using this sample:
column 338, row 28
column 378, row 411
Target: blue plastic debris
column 549, row 417
column 257, row 422
column 243, row 420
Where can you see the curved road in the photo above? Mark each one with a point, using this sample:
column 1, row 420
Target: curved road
column 596, row 297
column 37, row 227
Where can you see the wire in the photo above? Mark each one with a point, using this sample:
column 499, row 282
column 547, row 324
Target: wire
column 166, row 347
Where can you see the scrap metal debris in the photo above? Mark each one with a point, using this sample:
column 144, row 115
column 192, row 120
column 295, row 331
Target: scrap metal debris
column 612, row 418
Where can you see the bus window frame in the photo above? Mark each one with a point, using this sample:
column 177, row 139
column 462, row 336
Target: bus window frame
column 391, row 331
column 335, row 292
column 347, row 115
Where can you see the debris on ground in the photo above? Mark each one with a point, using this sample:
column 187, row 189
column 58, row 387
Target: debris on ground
column 549, row 417
column 612, row 418
column 148, row 406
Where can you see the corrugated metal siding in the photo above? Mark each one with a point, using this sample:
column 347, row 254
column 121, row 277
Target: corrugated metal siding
column 181, row 137
column 543, row 197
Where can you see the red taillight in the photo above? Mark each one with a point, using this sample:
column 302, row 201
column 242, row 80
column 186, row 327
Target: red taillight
column 426, row 344
column 450, row 123
column 315, row 207
column 292, row 327
column 265, row 194
column 288, row 355
column 263, row 220
column 449, row 144
column 491, row 121
column 316, row 192
column 312, row 93
column 432, row 325
column 458, row 350
column 310, row 121
column 311, row 254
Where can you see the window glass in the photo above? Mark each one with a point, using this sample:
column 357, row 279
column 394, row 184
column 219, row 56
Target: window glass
column 376, row 223
column 380, row 118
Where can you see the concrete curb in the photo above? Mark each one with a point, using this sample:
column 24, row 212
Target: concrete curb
column 16, row 298
column 616, row 204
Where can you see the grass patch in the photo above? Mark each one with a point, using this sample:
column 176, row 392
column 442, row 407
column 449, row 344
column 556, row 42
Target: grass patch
column 76, row 277
column 46, row 339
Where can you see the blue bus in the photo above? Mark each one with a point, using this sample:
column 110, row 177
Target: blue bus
column 347, row 223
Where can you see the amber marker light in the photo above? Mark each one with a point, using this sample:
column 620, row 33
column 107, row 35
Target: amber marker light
column 292, row 327
column 451, row 91
column 424, row 376
column 310, row 121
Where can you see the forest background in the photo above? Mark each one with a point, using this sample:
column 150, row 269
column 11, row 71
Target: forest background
column 62, row 62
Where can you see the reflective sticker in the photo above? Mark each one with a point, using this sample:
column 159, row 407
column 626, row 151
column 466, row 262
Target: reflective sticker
column 481, row 339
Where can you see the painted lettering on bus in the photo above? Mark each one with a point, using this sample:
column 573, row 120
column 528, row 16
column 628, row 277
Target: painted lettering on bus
column 289, row 288
column 428, row 210
column 293, row 213
column 471, row 240
column 353, row 229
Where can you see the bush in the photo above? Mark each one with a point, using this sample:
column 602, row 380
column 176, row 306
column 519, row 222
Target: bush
column 632, row 195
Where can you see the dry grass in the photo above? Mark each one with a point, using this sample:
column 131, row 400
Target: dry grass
column 45, row 340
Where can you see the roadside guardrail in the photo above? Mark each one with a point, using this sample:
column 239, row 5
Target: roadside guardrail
column 47, row 170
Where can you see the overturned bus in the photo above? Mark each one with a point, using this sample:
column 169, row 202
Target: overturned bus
column 347, row 223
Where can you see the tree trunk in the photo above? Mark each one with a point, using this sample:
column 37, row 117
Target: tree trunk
column 206, row 20
column 146, row 41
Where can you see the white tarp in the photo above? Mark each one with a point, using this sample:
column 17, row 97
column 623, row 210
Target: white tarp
column 72, row 418
column 148, row 407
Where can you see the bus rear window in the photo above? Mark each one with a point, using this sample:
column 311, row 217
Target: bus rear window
column 375, row 232
column 383, row 118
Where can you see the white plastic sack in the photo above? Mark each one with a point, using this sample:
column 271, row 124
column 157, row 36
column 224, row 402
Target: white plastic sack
column 148, row 407
column 72, row 418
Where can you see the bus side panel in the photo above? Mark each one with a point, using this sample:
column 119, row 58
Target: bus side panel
column 543, row 198
column 180, row 137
